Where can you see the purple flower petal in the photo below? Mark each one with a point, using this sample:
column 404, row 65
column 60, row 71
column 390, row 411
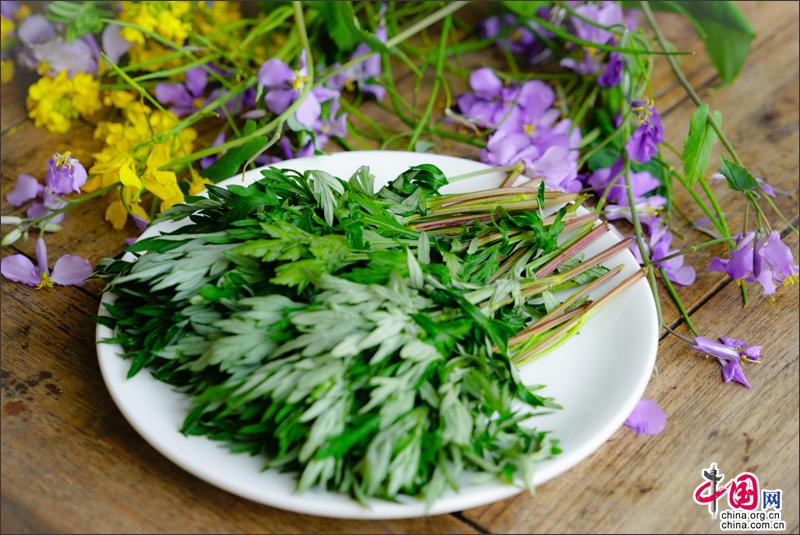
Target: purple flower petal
column 278, row 100
column 375, row 90
column 308, row 111
column 647, row 418
column 275, row 73
column 196, row 79
column 8, row 8
column 25, row 188
column 140, row 223
column 114, row 45
column 64, row 175
column 35, row 29
column 485, row 83
column 71, row 270
column 41, row 256
column 612, row 75
column 19, row 268
column 173, row 94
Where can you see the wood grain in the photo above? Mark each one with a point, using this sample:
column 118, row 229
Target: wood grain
column 70, row 461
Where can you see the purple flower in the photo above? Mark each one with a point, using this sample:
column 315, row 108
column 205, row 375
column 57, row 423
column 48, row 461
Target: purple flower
column 64, row 174
column 531, row 109
column 281, row 83
column 604, row 14
column 41, row 45
column 768, row 262
column 730, row 353
column 658, row 246
column 25, row 188
column 187, row 97
column 284, row 86
column 8, row 8
column 766, row 188
column 489, row 101
column 642, row 183
column 68, row 270
column 643, row 144
column 332, row 126
column 520, row 39
column 612, row 75
column 555, row 164
column 647, row 418
column 48, row 204
column 363, row 74
column 114, row 45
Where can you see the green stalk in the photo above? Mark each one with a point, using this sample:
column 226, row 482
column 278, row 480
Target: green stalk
column 71, row 203
column 399, row 38
column 675, row 299
column 693, row 248
column 426, row 115
column 142, row 91
column 637, row 227
column 676, row 70
column 355, row 112
column 300, row 21
column 591, row 44
column 167, row 43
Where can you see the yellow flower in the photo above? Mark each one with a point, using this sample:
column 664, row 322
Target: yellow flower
column 198, row 183
column 212, row 21
column 118, row 99
column 55, row 102
column 6, row 28
column 6, row 70
column 167, row 19
column 162, row 184
column 131, row 156
column 127, row 202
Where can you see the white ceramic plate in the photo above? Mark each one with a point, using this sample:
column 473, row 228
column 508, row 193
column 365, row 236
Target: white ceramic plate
column 597, row 376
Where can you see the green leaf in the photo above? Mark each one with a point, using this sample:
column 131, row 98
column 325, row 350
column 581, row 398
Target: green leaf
column 698, row 144
column 341, row 23
column 524, row 8
column 738, row 177
column 722, row 27
column 79, row 18
column 231, row 161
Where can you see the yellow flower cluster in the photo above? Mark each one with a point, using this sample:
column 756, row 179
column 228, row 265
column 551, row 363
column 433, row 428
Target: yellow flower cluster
column 214, row 22
column 132, row 157
column 6, row 70
column 167, row 19
column 55, row 102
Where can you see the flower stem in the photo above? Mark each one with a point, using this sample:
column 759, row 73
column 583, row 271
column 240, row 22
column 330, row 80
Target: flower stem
column 693, row 248
column 676, row 70
column 426, row 115
column 676, row 299
column 397, row 39
column 637, row 228
column 280, row 119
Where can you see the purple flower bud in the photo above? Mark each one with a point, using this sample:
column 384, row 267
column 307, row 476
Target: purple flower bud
column 64, row 174
column 612, row 75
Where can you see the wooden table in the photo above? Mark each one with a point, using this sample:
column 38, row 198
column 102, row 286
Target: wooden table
column 70, row 461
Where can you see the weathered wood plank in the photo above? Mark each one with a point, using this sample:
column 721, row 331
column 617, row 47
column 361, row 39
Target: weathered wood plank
column 645, row 484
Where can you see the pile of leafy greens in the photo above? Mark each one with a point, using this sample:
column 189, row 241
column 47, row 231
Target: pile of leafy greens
column 362, row 340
